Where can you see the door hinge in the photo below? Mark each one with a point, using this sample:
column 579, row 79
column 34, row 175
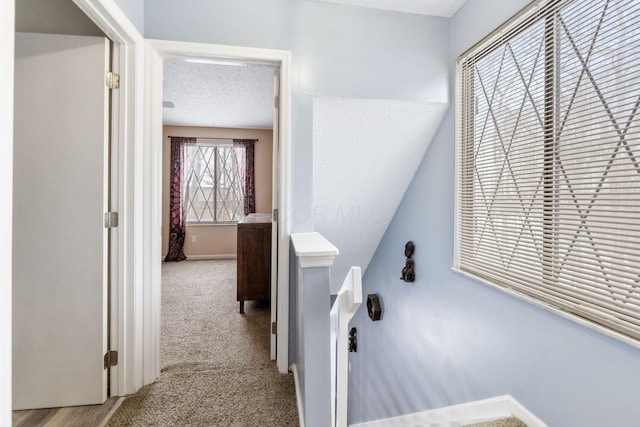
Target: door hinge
column 110, row 359
column 276, row 101
column 274, row 328
column 110, row 219
column 275, row 215
column 113, row 80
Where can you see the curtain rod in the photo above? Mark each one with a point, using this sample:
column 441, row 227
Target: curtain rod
column 205, row 137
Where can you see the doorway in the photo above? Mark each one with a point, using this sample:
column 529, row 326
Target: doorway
column 226, row 110
column 280, row 286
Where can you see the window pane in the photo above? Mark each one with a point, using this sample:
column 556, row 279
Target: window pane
column 214, row 186
column 549, row 161
column 509, row 151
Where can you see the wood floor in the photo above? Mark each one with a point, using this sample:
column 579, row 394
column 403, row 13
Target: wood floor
column 73, row 416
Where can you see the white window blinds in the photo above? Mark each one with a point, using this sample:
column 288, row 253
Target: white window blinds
column 548, row 133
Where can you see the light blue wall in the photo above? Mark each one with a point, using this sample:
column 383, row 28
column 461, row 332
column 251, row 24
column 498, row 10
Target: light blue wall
column 446, row 339
column 336, row 51
column 134, row 9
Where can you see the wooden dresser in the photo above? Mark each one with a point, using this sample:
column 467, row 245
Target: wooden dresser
column 254, row 258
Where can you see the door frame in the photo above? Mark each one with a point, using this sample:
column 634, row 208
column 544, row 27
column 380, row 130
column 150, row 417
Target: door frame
column 7, row 22
column 126, row 188
column 156, row 52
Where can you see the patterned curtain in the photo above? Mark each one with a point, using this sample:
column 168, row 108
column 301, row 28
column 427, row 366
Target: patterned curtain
column 180, row 175
column 245, row 149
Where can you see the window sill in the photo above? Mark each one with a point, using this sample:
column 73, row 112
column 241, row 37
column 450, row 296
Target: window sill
column 567, row 315
column 212, row 224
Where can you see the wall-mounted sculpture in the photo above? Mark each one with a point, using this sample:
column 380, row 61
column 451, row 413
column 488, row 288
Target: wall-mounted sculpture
column 353, row 340
column 374, row 308
column 408, row 272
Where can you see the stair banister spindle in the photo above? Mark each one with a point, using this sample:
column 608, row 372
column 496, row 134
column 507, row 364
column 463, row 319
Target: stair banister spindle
column 347, row 302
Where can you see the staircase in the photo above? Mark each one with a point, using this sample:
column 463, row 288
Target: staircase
column 321, row 367
column 501, row 411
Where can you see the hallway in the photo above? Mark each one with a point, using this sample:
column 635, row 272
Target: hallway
column 215, row 361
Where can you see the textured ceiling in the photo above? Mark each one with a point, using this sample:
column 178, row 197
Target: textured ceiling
column 446, row 8
column 218, row 95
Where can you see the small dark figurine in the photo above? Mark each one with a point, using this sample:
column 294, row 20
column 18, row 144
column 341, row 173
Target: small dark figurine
column 353, row 340
column 408, row 272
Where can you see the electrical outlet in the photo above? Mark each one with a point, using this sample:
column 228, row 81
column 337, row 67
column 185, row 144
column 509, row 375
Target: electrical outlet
column 194, row 238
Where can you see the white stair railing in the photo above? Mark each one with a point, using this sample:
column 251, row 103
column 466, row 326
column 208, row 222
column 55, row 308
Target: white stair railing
column 347, row 302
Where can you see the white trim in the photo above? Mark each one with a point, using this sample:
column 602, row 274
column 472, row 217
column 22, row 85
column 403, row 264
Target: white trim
column 275, row 197
column 463, row 414
column 111, row 20
column 347, row 302
column 152, row 184
column 127, row 190
column 172, row 49
column 457, row 147
column 524, row 414
column 313, row 250
column 296, row 381
column 284, row 204
column 176, row 49
column 7, row 34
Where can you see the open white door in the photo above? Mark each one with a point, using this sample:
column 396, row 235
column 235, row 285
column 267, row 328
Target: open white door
column 59, row 239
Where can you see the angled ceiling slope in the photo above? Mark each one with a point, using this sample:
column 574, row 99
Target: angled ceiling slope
column 365, row 154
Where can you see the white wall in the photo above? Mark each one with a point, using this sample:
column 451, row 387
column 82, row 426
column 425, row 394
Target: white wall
column 6, row 195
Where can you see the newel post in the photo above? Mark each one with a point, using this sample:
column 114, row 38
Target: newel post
column 314, row 256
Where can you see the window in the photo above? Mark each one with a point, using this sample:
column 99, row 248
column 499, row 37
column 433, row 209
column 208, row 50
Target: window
column 214, row 184
column 548, row 172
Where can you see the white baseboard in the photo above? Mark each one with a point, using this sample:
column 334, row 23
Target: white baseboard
column 294, row 369
column 459, row 415
column 210, row 257
column 525, row 415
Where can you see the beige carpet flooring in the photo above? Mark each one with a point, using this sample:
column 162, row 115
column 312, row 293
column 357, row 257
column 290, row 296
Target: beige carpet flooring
column 215, row 362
